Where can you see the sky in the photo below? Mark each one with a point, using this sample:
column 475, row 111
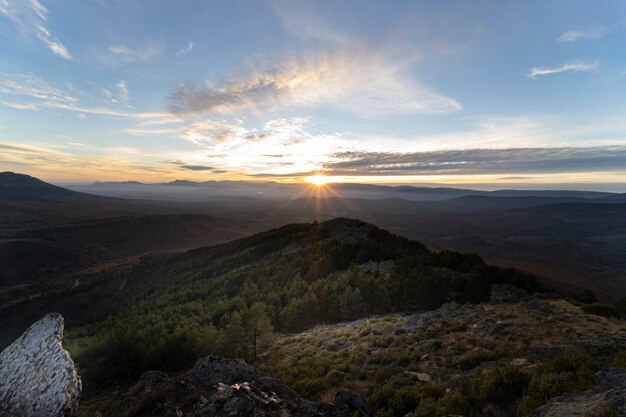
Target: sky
column 499, row 93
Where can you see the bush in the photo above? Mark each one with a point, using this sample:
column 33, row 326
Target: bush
column 310, row 388
column 572, row 372
column 600, row 310
column 389, row 401
column 472, row 359
column 501, row 385
column 619, row 360
column 586, row 296
column 603, row 411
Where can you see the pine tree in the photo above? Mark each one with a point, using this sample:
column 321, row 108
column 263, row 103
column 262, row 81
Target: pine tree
column 236, row 337
column 351, row 304
column 260, row 328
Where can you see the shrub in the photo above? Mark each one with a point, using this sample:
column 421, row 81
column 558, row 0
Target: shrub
column 600, row 310
column 619, row 360
column 586, row 296
column 310, row 388
column 389, row 401
column 603, row 411
column 458, row 327
column 572, row 372
column 501, row 385
column 335, row 377
column 474, row 358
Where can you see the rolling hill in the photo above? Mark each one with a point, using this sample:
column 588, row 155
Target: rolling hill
column 303, row 273
column 48, row 233
column 309, row 281
column 572, row 239
column 192, row 191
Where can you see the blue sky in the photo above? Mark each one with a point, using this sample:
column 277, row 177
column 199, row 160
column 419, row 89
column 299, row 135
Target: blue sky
column 484, row 92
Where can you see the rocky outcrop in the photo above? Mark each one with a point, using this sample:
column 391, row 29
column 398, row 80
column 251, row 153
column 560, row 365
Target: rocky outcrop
column 219, row 387
column 607, row 399
column 37, row 376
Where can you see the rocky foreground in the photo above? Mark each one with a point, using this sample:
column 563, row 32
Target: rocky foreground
column 38, row 379
column 220, row 387
column 37, row 376
column 330, row 370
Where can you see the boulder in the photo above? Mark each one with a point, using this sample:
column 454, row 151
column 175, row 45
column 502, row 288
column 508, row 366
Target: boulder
column 231, row 387
column 37, row 376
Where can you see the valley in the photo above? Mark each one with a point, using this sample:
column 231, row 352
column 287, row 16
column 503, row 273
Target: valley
column 424, row 326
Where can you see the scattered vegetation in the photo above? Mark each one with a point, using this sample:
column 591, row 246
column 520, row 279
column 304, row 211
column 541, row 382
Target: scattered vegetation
column 600, row 310
column 173, row 310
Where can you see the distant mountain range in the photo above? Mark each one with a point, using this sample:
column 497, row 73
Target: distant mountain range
column 215, row 190
column 24, row 187
column 574, row 239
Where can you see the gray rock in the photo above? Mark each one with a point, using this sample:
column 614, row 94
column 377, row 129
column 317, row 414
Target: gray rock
column 209, row 371
column 153, row 380
column 347, row 403
column 230, row 387
column 520, row 362
column 611, row 377
column 37, row 376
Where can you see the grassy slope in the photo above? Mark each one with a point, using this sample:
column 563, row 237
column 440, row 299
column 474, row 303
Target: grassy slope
column 450, row 345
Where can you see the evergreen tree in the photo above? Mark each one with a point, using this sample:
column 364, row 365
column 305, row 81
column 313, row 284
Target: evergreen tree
column 351, row 304
column 260, row 328
column 236, row 344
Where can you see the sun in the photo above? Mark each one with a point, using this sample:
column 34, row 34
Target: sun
column 318, row 180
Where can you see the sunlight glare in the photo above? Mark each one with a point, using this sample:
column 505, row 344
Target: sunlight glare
column 318, row 180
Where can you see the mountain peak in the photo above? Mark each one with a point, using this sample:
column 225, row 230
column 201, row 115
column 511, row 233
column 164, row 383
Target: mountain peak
column 14, row 186
column 14, row 178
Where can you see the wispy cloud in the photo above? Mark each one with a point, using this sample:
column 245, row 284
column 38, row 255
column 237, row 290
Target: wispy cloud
column 479, row 161
column 28, row 92
column 122, row 91
column 185, row 50
column 22, row 85
column 210, row 132
column 112, row 163
column 197, row 167
column 365, row 83
column 136, row 53
column 30, row 17
column 302, row 20
column 575, row 35
column 574, row 66
column 190, row 167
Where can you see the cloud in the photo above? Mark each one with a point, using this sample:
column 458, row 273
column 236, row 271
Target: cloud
column 575, row 66
column 54, row 45
column 190, row 167
column 574, row 35
column 302, row 20
column 122, row 91
column 197, row 167
column 139, row 52
column 479, row 161
column 364, row 83
column 206, row 132
column 113, row 163
column 30, row 18
column 286, row 131
column 33, row 87
column 185, row 50
column 28, row 92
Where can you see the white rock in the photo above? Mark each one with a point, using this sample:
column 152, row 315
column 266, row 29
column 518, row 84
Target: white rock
column 37, row 376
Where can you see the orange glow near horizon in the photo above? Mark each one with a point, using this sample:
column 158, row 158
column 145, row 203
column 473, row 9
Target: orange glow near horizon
column 318, row 179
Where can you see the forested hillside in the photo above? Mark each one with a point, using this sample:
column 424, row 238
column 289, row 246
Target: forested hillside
column 229, row 299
